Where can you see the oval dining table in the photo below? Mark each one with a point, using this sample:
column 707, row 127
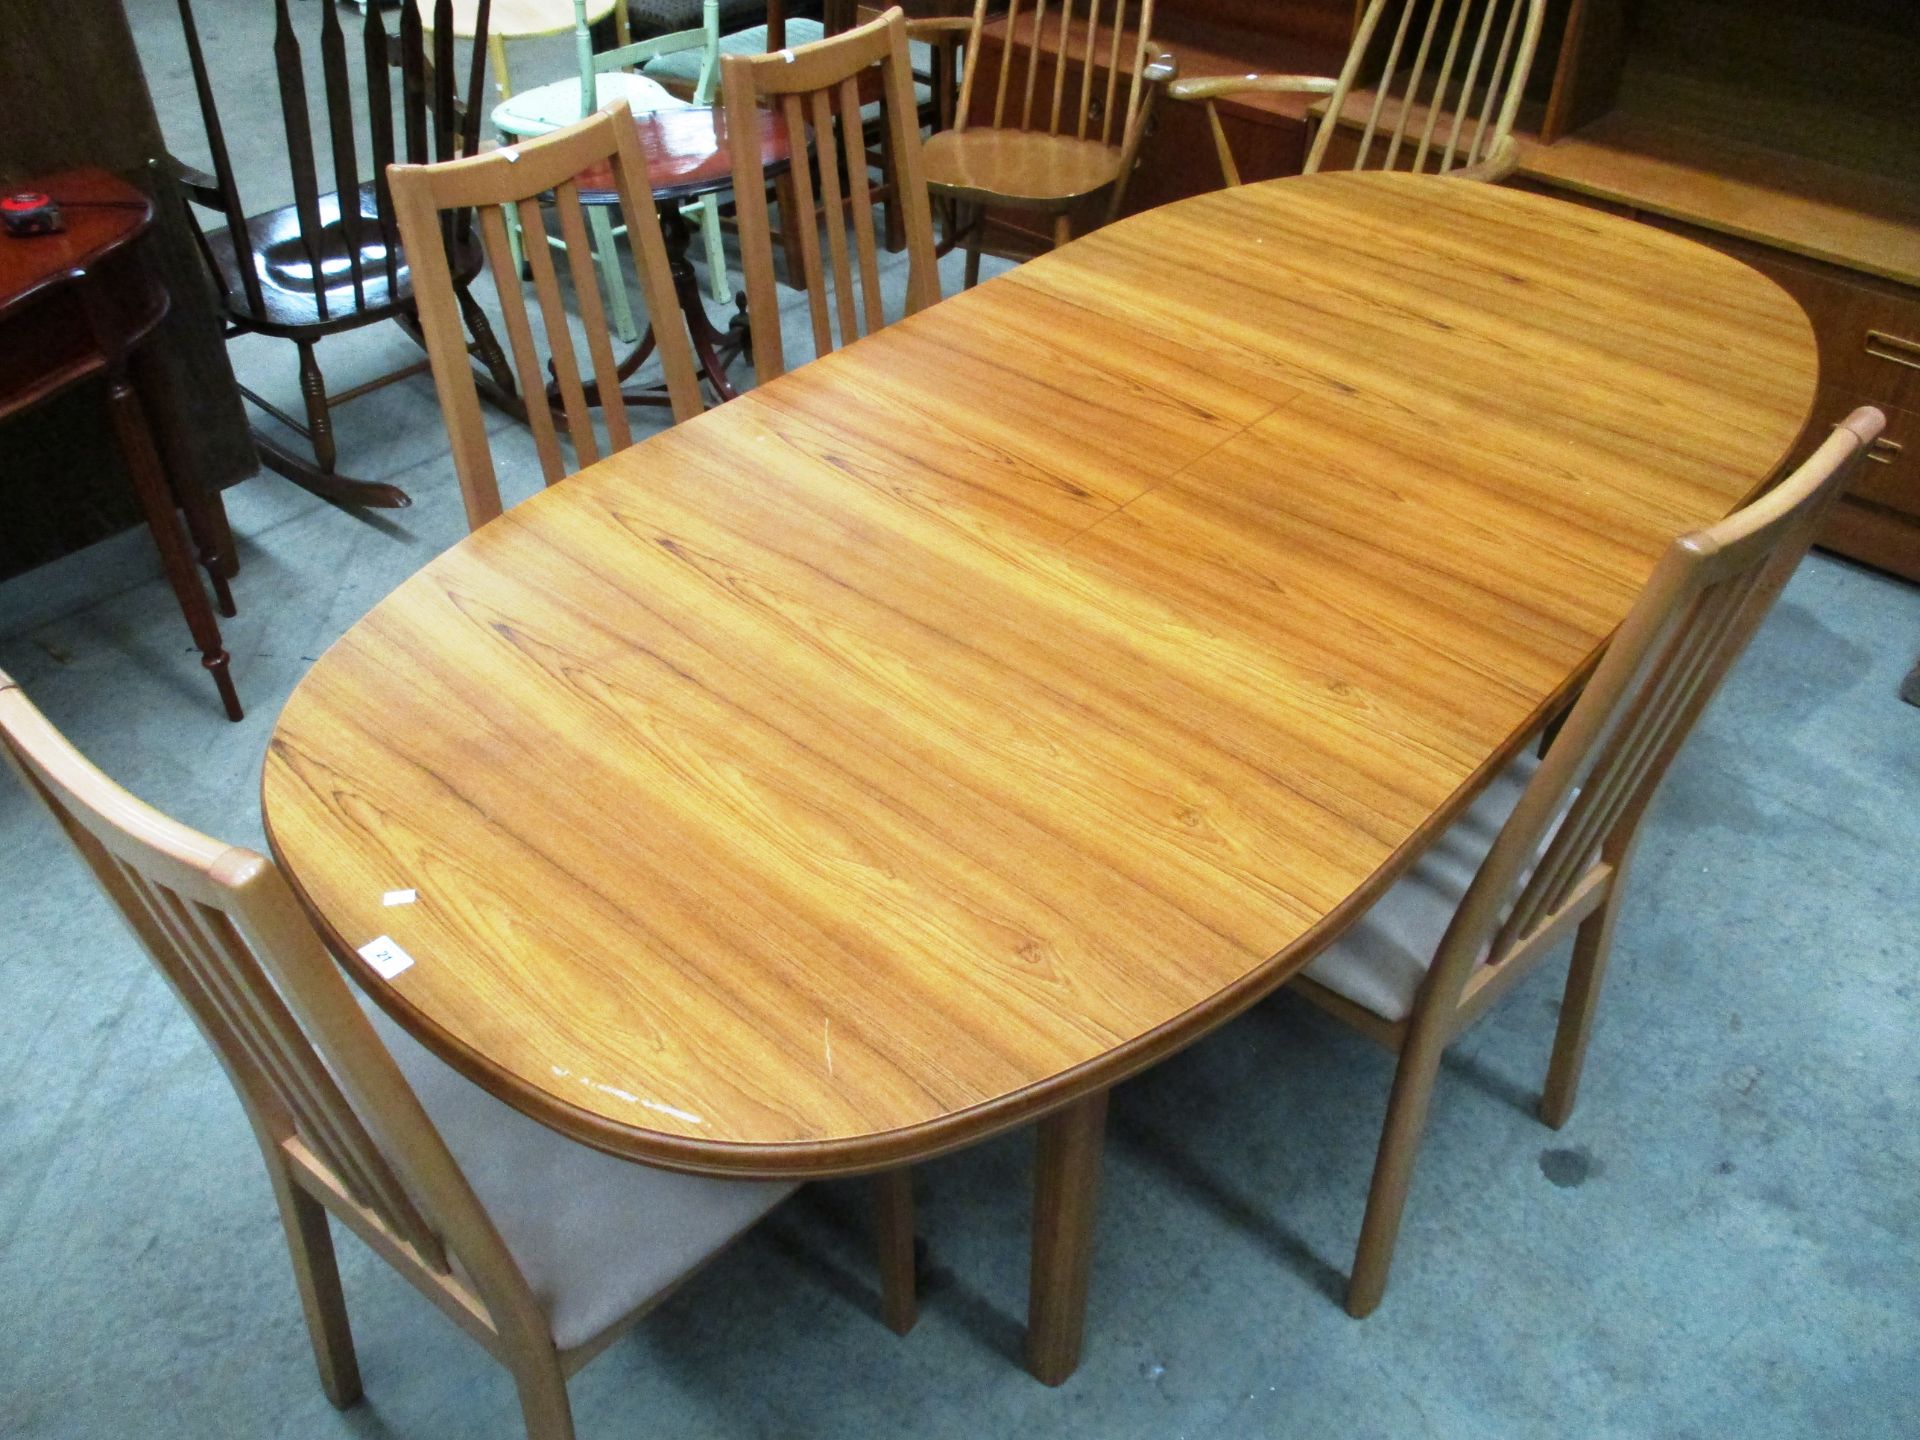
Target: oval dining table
column 924, row 742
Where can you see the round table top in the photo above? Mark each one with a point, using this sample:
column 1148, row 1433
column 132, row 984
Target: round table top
column 965, row 720
column 516, row 19
column 687, row 154
column 101, row 212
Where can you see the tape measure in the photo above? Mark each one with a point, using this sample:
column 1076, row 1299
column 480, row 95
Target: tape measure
column 30, row 212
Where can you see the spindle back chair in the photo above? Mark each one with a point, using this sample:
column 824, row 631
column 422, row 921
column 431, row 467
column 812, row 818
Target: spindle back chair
column 332, row 259
column 1557, row 864
column 519, row 177
column 1049, row 147
column 819, row 86
column 1447, row 79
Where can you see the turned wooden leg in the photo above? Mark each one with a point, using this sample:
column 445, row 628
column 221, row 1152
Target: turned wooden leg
column 313, row 390
column 893, row 1233
column 1062, row 229
column 317, row 1276
column 485, row 343
column 156, row 499
column 1066, row 1191
column 1592, row 945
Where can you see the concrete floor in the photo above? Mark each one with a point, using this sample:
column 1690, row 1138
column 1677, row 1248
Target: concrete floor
column 1722, row 1242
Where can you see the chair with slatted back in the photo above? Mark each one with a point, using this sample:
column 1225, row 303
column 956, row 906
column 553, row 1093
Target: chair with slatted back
column 520, row 177
column 318, row 266
column 540, row 1248
column 819, row 86
column 1434, row 93
column 1543, row 851
column 1055, row 143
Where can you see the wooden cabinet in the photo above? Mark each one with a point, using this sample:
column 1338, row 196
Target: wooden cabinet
column 1787, row 134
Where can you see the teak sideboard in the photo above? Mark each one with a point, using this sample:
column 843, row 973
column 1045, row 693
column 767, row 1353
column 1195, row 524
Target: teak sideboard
column 1784, row 132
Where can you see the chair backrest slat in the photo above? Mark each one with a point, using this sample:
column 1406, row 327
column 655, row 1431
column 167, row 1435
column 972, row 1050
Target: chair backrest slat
column 346, row 170
column 817, row 89
column 377, row 55
column 413, row 88
column 1694, row 617
column 231, row 209
column 518, row 177
column 299, row 133
column 1461, row 86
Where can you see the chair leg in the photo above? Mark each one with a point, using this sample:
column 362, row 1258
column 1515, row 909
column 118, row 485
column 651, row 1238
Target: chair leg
column 310, row 1246
column 975, row 227
column 1062, row 229
column 893, row 1231
column 718, row 285
column 487, row 346
column 543, row 1400
column 1393, row 1168
column 790, row 222
column 313, row 390
column 607, row 250
column 1592, row 945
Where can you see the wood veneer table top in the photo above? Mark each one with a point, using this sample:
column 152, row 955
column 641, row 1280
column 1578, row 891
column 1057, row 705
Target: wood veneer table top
column 957, row 724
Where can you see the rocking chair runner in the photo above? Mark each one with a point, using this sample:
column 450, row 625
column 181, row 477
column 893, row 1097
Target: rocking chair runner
column 318, row 266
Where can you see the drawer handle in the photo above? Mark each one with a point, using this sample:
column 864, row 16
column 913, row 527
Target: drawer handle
column 1885, row 451
column 1883, row 346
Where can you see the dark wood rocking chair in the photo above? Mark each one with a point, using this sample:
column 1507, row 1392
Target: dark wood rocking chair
column 318, row 267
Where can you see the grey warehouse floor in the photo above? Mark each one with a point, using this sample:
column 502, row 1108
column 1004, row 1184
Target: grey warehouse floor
column 1723, row 1241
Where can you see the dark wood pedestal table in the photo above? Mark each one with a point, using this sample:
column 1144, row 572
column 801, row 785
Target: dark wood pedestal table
column 687, row 158
column 75, row 306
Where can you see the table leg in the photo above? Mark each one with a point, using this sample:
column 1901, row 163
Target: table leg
column 713, row 350
column 157, row 502
column 1066, row 1191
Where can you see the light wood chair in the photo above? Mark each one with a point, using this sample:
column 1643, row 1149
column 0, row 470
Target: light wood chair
column 819, row 85
column 519, row 176
column 1050, row 148
column 1457, row 92
column 540, row 1248
column 1543, row 851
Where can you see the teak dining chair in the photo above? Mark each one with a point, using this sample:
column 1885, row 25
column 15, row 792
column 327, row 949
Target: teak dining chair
column 543, row 1250
column 819, row 85
column 1458, row 92
column 1050, row 147
column 520, row 176
column 1543, row 852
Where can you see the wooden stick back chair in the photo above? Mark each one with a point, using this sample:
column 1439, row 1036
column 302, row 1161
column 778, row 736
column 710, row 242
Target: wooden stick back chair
column 819, row 86
column 1050, row 147
column 486, row 1212
column 1543, row 852
column 1448, row 77
column 332, row 260
column 519, row 177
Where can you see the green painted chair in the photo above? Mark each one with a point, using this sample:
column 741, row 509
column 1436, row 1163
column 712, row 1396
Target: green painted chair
column 614, row 75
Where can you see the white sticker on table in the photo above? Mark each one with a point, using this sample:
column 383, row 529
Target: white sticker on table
column 399, row 897
column 386, row 958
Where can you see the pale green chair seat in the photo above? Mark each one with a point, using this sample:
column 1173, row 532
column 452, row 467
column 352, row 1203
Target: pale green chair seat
column 682, row 70
column 550, row 107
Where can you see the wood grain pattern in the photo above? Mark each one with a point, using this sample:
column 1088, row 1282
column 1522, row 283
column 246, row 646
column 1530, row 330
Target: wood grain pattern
column 914, row 745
